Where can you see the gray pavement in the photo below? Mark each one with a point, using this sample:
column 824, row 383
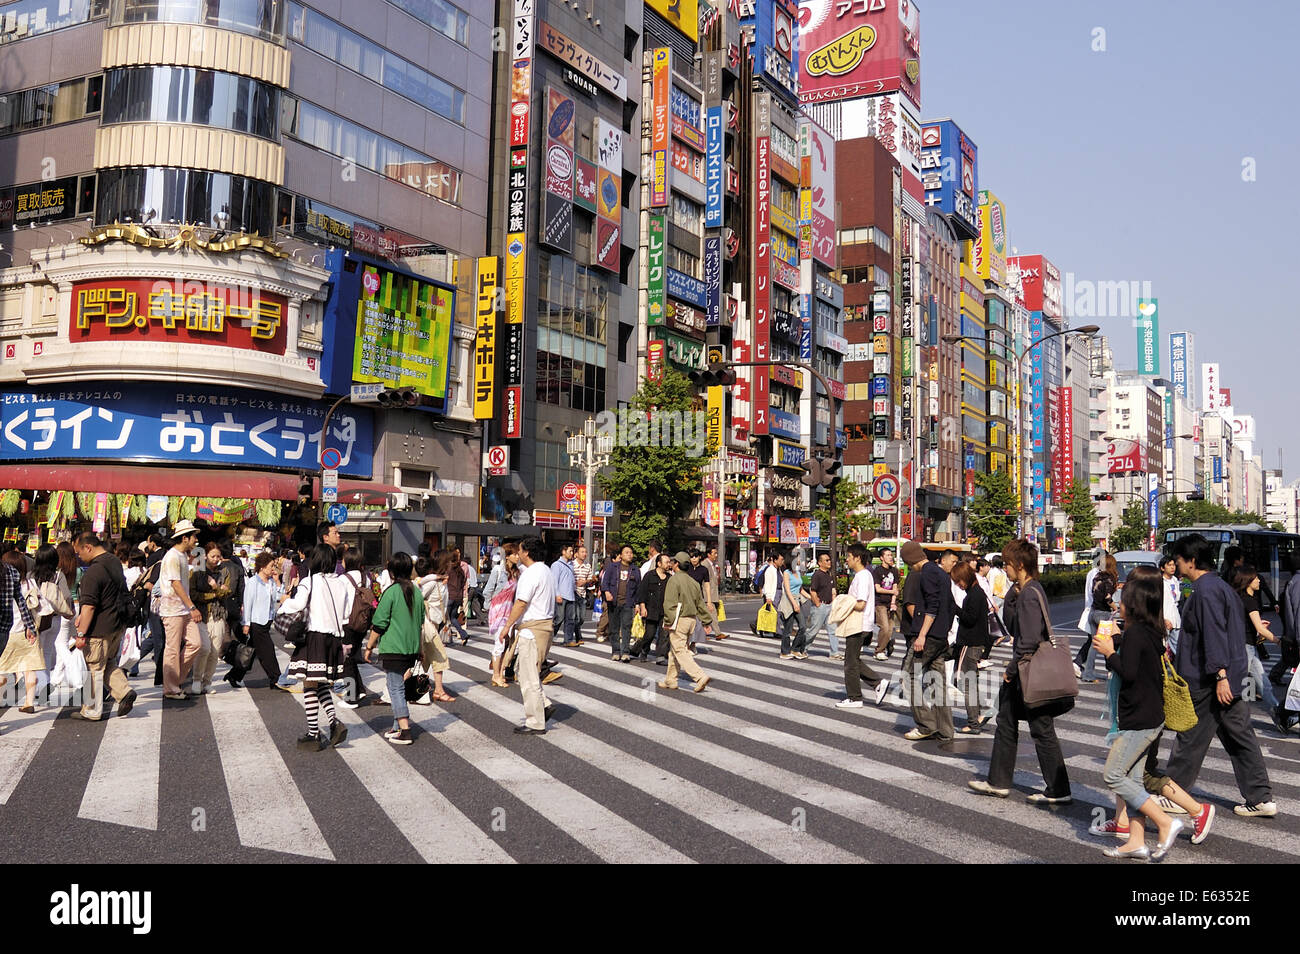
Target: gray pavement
column 760, row 767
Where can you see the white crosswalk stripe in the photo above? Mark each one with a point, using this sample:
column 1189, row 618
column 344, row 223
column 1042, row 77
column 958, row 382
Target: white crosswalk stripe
column 763, row 741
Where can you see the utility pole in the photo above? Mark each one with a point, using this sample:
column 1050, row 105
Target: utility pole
column 589, row 452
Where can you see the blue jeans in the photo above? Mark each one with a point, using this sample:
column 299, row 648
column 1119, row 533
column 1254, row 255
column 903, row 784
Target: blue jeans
column 1263, row 687
column 1124, row 764
column 620, row 628
column 566, row 621
column 799, row 643
column 815, row 619
column 397, row 696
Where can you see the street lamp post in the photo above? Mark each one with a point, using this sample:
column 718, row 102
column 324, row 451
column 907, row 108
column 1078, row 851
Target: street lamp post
column 589, row 452
column 1086, row 330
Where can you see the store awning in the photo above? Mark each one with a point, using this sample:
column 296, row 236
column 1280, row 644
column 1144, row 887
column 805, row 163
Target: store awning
column 177, row 481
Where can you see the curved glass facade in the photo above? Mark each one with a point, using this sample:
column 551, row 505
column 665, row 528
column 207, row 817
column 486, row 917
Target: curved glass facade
column 180, row 94
column 262, row 18
column 153, row 195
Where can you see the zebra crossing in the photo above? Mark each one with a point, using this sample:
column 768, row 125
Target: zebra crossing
column 761, row 767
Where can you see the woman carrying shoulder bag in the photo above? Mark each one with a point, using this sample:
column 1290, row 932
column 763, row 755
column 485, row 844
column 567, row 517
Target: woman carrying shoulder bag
column 55, row 591
column 318, row 661
column 432, row 581
column 395, row 631
column 1029, row 627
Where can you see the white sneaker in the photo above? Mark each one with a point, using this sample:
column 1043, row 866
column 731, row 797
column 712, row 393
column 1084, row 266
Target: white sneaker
column 849, row 704
column 1078, row 671
column 882, row 690
column 882, row 656
column 1170, row 807
column 340, row 701
column 986, row 664
column 1258, row 810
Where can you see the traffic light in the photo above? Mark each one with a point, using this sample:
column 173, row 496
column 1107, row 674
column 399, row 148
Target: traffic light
column 398, row 397
column 715, row 376
column 1196, row 495
column 812, row 472
column 1102, row 497
column 830, row 473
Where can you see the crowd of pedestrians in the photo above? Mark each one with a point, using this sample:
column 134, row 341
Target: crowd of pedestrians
column 193, row 607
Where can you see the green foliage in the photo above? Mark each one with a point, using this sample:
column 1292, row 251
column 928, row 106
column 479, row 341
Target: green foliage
column 1185, row 513
column 652, row 486
column 1061, row 583
column 853, row 514
column 1077, row 503
column 1131, row 534
column 991, row 514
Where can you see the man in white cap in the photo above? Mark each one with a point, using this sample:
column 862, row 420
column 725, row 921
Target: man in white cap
column 179, row 614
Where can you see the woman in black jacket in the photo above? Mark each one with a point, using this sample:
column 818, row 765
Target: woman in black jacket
column 972, row 638
column 1029, row 627
column 1141, row 711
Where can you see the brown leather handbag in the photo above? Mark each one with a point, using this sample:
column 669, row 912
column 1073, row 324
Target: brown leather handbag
column 1047, row 675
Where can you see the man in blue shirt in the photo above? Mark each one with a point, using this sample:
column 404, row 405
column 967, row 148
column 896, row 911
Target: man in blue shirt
column 1212, row 658
column 565, row 595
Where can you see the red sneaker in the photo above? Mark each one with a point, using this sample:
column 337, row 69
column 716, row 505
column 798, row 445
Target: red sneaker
column 1110, row 828
column 1204, row 821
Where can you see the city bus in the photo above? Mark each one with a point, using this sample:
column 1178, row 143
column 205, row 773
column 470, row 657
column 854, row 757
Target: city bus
column 880, row 544
column 1268, row 551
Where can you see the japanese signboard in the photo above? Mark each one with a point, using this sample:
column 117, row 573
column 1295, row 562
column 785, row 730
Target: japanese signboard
column 655, row 297
column 659, row 125
column 566, row 51
column 762, row 288
column 683, row 14
column 557, row 224
column 1065, row 453
column 180, row 424
column 485, row 339
column 855, row 48
column 991, row 244
column 584, row 184
column 609, row 145
column 1178, row 363
column 713, row 168
column 1124, row 457
column 1210, row 387
column 950, row 175
column 606, row 250
column 713, row 280
column 1148, row 336
column 817, row 162
column 46, row 201
column 403, row 335
column 144, row 309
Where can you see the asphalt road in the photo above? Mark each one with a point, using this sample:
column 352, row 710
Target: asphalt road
column 760, row 767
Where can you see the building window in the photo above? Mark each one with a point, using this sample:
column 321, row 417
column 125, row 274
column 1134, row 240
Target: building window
column 177, row 94
column 447, row 18
column 50, row 105
column 573, row 300
column 264, row 18
column 322, row 35
column 154, row 195
column 681, row 261
column 330, row 133
column 686, row 214
column 552, row 469
column 29, row 18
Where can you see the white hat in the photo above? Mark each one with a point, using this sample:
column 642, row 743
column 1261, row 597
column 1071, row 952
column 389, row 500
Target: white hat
column 183, row 529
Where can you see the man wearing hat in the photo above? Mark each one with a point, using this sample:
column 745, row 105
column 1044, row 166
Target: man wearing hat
column 179, row 614
column 683, row 606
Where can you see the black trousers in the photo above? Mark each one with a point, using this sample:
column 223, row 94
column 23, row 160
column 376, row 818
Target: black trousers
column 1002, row 766
column 353, row 640
column 1231, row 724
column 855, row 667
column 259, row 634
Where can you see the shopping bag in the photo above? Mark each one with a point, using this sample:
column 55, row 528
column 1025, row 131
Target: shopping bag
column 722, row 612
column 597, row 608
column 767, row 619
column 1180, row 714
column 638, row 627
column 417, row 686
column 1293, row 693
column 129, row 656
column 71, row 671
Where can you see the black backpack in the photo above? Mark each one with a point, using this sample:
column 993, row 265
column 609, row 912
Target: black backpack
column 132, row 603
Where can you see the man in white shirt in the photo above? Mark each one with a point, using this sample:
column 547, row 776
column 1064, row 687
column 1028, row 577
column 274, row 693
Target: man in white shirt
column 534, row 612
column 582, row 581
column 863, row 590
column 179, row 614
column 654, row 548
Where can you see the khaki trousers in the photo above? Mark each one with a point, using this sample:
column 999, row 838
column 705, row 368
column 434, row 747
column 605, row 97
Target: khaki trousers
column 528, row 671
column 184, row 643
column 679, row 657
column 101, row 659
column 885, row 625
column 205, row 667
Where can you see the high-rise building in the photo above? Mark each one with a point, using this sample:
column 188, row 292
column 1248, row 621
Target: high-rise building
column 218, row 218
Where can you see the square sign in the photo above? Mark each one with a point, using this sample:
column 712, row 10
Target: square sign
column 329, row 486
column 362, row 393
column 814, row 531
column 498, row 458
column 603, row 508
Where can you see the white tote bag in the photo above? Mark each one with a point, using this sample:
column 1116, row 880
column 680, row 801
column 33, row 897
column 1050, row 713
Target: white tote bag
column 1293, row 693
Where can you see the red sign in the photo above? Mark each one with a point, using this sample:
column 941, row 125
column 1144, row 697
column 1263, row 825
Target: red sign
column 852, row 49
column 1124, row 457
column 584, row 184
column 654, row 351
column 762, row 283
column 513, row 425
column 606, row 251
column 1066, row 453
column 145, row 309
column 1053, row 397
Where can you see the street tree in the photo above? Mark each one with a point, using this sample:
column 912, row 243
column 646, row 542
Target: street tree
column 991, row 514
column 1187, row 513
column 652, row 486
column 1076, row 500
column 1131, row 534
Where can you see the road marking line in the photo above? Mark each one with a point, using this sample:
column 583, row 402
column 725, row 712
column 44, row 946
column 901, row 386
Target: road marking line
column 123, row 785
column 270, row 812
column 22, row 735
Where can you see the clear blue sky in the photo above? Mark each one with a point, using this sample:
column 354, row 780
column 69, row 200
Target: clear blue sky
column 1126, row 165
